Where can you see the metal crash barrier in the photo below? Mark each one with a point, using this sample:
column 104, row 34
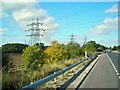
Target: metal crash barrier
column 52, row 76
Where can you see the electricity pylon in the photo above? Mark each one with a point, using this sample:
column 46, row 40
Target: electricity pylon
column 35, row 32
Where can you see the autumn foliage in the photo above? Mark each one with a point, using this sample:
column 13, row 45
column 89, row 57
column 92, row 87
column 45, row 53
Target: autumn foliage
column 54, row 53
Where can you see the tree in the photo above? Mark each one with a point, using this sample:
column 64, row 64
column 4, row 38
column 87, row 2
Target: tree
column 41, row 45
column 72, row 50
column 100, row 48
column 110, row 48
column 118, row 48
column 54, row 53
column 32, row 57
column 13, row 48
column 90, row 47
column 114, row 48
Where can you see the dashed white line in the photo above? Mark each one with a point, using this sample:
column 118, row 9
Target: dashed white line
column 119, row 77
column 114, row 67
column 118, row 74
column 116, row 71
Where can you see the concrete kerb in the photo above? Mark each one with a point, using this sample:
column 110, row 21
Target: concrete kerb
column 83, row 75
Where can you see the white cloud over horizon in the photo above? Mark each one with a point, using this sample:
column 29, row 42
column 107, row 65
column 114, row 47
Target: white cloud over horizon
column 107, row 42
column 109, row 25
column 23, row 13
column 3, row 30
column 16, row 5
column 113, row 9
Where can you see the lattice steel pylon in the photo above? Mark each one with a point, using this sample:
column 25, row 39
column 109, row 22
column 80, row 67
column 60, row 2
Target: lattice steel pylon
column 35, row 32
column 85, row 40
column 72, row 38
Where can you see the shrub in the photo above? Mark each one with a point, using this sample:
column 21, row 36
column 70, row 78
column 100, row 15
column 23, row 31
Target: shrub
column 54, row 53
column 32, row 56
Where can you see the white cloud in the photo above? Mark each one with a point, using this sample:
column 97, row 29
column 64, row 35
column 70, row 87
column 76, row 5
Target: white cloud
column 114, row 9
column 24, row 17
column 16, row 5
column 109, row 25
column 19, row 1
column 23, row 13
column 3, row 30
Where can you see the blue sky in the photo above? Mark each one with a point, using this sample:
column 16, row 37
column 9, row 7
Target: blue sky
column 95, row 20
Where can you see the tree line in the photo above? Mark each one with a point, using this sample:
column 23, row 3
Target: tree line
column 34, row 56
column 40, row 54
column 13, row 48
column 38, row 57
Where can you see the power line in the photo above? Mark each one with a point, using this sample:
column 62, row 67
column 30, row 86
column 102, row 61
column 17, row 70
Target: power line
column 84, row 20
column 84, row 24
column 75, row 7
column 88, row 9
column 81, row 13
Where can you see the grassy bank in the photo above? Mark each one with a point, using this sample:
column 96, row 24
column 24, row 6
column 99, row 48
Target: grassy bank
column 11, row 80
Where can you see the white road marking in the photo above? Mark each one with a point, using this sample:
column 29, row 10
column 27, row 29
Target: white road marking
column 114, row 66
column 116, row 71
column 119, row 77
column 118, row 74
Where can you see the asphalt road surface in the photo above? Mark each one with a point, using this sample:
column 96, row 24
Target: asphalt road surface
column 115, row 59
column 102, row 75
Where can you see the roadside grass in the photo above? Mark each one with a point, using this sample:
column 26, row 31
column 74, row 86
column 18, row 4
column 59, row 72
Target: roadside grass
column 26, row 77
column 50, row 68
column 44, row 70
column 60, row 80
column 17, row 59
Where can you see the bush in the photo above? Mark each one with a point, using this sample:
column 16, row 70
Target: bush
column 72, row 50
column 6, row 62
column 54, row 53
column 12, row 82
column 32, row 57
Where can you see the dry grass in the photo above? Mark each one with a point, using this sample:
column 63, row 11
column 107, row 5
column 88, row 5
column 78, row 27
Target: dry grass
column 17, row 59
column 46, row 69
column 51, row 68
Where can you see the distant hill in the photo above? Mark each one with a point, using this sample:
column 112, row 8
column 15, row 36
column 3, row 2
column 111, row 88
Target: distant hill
column 13, row 48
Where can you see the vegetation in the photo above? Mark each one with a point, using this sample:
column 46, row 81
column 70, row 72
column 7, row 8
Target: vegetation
column 32, row 56
column 116, row 48
column 41, row 45
column 13, row 48
column 93, row 47
column 41, row 61
column 100, row 48
column 90, row 47
column 54, row 53
column 73, row 50
column 6, row 62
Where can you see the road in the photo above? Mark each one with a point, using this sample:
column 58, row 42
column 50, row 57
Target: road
column 102, row 75
column 115, row 59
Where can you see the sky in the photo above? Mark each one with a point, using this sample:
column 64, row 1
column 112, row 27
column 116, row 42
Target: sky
column 98, row 21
